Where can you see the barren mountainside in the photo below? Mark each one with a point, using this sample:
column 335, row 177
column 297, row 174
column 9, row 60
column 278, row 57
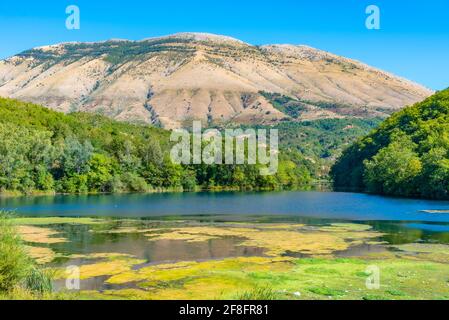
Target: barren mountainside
column 173, row 79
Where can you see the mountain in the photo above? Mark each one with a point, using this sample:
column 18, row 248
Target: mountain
column 218, row 79
column 408, row 155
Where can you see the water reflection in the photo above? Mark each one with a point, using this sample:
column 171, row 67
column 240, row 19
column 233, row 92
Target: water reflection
column 81, row 240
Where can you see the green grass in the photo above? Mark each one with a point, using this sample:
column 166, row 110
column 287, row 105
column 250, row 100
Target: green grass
column 53, row 220
column 328, row 292
column 18, row 272
column 258, row 293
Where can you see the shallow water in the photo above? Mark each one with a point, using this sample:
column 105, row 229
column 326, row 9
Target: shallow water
column 81, row 240
column 398, row 221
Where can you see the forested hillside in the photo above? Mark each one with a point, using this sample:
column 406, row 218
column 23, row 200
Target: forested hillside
column 46, row 151
column 408, row 155
column 320, row 142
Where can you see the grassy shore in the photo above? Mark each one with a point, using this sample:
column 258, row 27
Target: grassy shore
column 20, row 276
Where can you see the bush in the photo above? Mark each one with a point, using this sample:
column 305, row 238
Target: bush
column 38, row 281
column 17, row 270
column 189, row 181
column 134, row 183
column 14, row 262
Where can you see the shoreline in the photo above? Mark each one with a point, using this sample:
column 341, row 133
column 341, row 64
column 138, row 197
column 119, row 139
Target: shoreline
column 13, row 194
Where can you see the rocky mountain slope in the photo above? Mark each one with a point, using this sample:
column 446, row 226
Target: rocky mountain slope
column 174, row 79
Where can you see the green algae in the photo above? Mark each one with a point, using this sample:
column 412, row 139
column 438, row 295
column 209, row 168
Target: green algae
column 411, row 271
column 39, row 235
column 55, row 220
column 102, row 255
column 276, row 240
column 41, row 255
column 345, row 227
column 424, row 248
column 110, row 264
column 286, row 279
column 424, row 252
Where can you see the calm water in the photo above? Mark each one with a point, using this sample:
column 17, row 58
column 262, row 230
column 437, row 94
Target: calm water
column 323, row 205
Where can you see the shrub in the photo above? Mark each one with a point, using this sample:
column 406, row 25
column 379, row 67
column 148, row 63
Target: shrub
column 134, row 183
column 18, row 272
column 14, row 262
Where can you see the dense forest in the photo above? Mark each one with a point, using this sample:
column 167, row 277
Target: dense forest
column 47, row 151
column 319, row 143
column 408, row 155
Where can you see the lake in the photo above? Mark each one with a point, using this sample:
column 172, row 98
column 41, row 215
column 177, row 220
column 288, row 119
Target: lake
column 323, row 205
column 170, row 228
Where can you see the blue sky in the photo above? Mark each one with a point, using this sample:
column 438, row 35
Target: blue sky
column 413, row 41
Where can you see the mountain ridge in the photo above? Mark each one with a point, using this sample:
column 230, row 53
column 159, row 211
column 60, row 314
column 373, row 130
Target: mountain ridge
column 217, row 79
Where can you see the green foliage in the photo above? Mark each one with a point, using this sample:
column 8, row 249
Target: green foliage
column 328, row 292
column 315, row 145
column 100, row 172
column 393, row 169
column 408, row 155
column 17, row 270
column 134, row 183
column 38, row 281
column 14, row 263
column 259, row 293
column 287, row 105
column 115, row 52
column 43, row 150
column 293, row 107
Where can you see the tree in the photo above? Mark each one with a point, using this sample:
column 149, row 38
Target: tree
column 100, row 172
column 75, row 156
column 407, row 155
column 434, row 180
column 394, row 169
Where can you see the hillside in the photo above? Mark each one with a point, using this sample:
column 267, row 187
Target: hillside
column 46, row 151
column 408, row 155
column 174, row 79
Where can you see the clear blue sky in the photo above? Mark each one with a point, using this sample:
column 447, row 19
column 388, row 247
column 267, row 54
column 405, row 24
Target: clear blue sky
column 413, row 41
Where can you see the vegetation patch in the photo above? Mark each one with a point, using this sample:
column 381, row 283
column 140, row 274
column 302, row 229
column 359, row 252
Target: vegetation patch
column 328, row 292
column 341, row 227
column 412, row 271
column 114, row 264
column 276, row 240
column 406, row 156
column 54, row 220
column 103, row 255
column 39, row 235
column 41, row 255
column 424, row 251
column 279, row 278
column 19, row 275
column 79, row 153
